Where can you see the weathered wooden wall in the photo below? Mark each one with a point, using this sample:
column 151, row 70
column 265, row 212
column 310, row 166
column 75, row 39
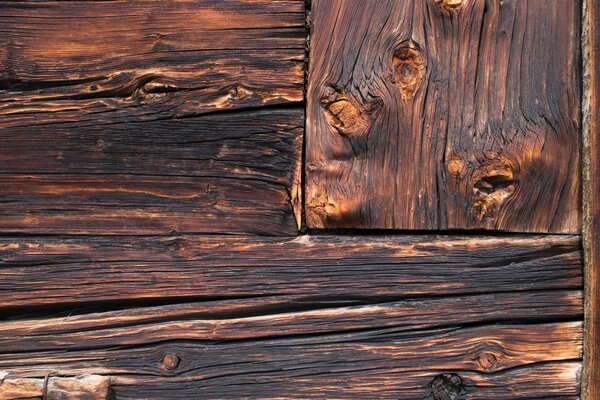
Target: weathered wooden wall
column 151, row 199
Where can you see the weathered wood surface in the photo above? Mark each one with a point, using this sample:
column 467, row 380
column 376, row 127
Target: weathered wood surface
column 149, row 117
column 348, row 317
column 88, row 387
column 283, row 355
column 431, row 114
column 76, row 270
column 591, row 376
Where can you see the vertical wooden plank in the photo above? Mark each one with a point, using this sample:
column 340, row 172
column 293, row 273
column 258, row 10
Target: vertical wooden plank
column 591, row 375
column 453, row 114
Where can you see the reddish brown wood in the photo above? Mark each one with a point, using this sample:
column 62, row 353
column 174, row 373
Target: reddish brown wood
column 453, row 114
column 65, row 270
column 591, row 378
column 148, row 117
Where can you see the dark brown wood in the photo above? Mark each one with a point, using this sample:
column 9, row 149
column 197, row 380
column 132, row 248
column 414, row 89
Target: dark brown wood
column 591, row 378
column 88, row 387
column 155, row 117
column 71, row 270
column 453, row 114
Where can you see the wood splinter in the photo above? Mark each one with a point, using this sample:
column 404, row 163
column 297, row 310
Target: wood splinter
column 88, row 387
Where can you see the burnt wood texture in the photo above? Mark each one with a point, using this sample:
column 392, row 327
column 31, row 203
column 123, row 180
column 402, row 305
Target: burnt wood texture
column 591, row 379
column 346, row 317
column 453, row 114
column 146, row 117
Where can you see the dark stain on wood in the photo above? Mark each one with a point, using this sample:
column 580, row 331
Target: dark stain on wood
column 446, row 387
column 478, row 124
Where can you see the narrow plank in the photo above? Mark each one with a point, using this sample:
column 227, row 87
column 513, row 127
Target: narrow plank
column 156, row 117
column 263, row 318
column 491, row 361
column 444, row 115
column 54, row 270
column 591, row 377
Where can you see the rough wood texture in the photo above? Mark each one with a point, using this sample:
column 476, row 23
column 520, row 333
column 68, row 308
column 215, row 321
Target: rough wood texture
column 312, row 317
column 453, row 114
column 88, row 387
column 168, row 353
column 111, row 130
column 591, row 378
column 54, row 270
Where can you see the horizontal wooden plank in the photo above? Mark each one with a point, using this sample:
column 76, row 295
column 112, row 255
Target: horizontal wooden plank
column 453, row 114
column 218, row 173
column 107, row 131
column 160, row 46
column 54, row 270
column 278, row 316
column 491, row 361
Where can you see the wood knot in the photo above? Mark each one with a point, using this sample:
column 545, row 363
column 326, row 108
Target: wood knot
column 456, row 166
column 487, row 360
column 347, row 115
column 170, row 362
column 176, row 245
column 495, row 182
column 410, row 66
column 449, row 4
column 446, row 387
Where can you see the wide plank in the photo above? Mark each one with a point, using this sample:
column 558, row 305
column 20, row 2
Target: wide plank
column 55, row 270
column 439, row 114
column 156, row 117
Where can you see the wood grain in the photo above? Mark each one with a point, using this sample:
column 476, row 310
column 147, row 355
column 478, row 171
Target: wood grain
column 155, row 117
column 591, row 376
column 163, row 352
column 58, row 270
column 453, row 114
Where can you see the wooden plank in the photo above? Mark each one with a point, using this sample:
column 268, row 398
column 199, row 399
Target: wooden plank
column 500, row 361
column 591, row 376
column 461, row 114
column 88, row 387
column 218, row 173
column 54, row 270
column 157, row 116
column 261, row 318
